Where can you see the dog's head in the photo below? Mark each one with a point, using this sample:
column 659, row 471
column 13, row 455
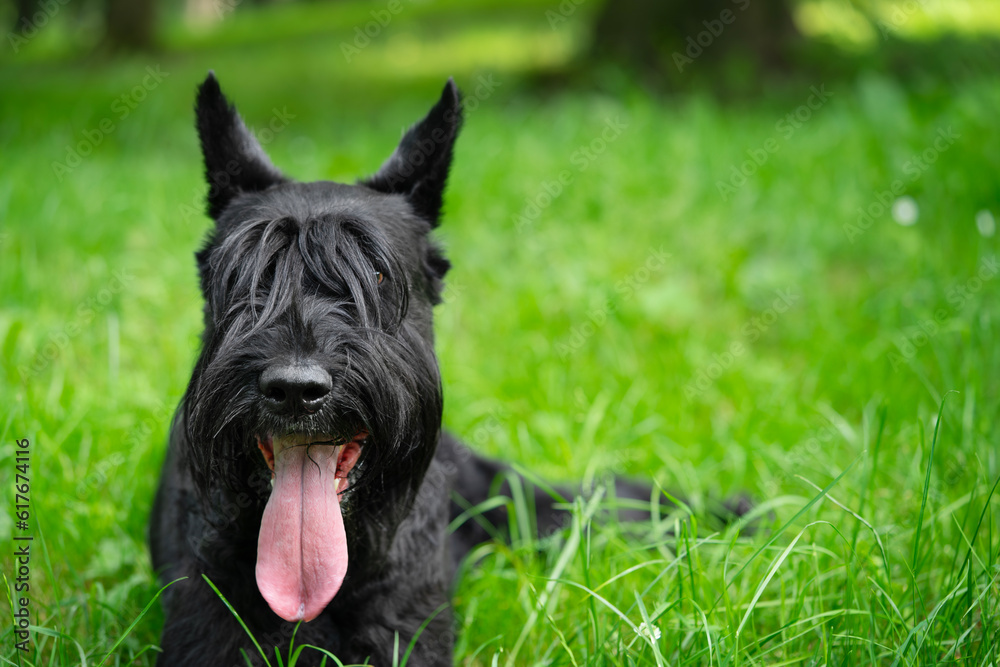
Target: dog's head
column 317, row 359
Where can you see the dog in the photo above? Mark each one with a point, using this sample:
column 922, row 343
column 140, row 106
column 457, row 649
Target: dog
column 307, row 477
column 308, row 487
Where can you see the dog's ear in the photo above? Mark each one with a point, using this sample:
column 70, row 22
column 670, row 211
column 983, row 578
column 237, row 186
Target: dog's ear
column 419, row 166
column 234, row 159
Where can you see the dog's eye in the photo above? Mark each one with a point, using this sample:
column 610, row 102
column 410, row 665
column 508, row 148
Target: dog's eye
column 379, row 277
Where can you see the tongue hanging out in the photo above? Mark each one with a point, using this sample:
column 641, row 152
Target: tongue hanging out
column 302, row 545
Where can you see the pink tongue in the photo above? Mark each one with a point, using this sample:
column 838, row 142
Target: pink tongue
column 302, row 546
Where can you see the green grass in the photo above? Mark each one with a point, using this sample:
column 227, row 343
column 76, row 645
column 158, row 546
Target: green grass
column 581, row 343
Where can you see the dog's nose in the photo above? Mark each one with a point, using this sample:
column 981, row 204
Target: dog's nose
column 292, row 388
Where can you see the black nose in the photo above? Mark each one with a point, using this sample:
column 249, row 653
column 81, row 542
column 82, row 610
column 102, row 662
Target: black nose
column 295, row 388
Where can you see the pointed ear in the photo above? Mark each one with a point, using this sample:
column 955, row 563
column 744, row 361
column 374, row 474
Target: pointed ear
column 419, row 166
column 234, row 159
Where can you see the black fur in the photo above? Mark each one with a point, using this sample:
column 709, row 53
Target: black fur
column 342, row 278
column 234, row 160
column 334, row 285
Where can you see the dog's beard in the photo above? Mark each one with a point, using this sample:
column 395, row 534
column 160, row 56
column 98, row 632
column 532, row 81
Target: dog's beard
column 373, row 438
column 302, row 546
column 387, row 386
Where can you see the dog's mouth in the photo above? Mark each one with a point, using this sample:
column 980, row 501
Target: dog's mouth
column 347, row 450
column 302, row 544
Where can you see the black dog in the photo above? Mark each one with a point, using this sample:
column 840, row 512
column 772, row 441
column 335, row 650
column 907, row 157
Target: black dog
column 307, row 476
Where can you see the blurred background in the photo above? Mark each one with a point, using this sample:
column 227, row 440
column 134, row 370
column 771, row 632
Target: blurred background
column 730, row 245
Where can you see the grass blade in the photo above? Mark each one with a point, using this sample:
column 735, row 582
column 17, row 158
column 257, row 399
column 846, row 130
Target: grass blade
column 770, row 575
column 137, row 619
column 420, row 630
column 567, row 554
column 778, row 533
column 927, row 483
column 242, row 624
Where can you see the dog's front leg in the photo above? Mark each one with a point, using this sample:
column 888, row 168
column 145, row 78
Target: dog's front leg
column 380, row 615
column 200, row 630
column 380, row 643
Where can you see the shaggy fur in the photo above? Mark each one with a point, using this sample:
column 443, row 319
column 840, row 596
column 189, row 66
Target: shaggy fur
column 318, row 332
column 329, row 286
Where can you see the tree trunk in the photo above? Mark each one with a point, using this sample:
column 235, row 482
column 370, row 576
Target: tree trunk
column 130, row 25
column 25, row 14
column 671, row 36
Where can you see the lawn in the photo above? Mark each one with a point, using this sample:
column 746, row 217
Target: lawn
column 792, row 295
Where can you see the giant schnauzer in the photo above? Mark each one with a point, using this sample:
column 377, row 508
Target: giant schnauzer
column 307, row 476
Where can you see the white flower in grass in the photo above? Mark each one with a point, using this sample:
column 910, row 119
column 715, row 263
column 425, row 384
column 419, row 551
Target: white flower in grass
column 647, row 632
column 905, row 210
column 985, row 223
